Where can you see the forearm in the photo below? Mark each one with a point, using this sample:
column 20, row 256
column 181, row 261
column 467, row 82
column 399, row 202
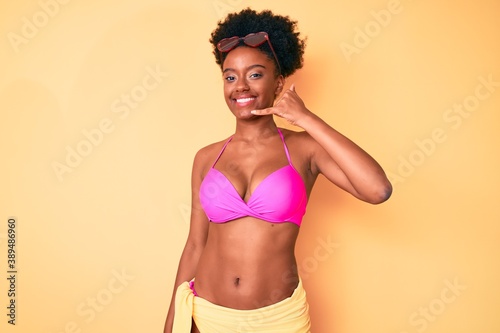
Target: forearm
column 186, row 271
column 366, row 176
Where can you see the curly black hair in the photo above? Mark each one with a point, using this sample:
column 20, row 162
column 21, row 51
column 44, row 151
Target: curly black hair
column 287, row 44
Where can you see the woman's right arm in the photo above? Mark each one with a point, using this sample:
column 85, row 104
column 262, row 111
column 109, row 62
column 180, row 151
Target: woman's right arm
column 196, row 240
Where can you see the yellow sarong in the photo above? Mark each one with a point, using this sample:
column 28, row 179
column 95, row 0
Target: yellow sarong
column 290, row 315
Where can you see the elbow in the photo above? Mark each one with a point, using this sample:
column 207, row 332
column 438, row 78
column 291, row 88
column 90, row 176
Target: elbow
column 381, row 193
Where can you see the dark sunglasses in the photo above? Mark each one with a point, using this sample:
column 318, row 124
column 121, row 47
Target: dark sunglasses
column 252, row 40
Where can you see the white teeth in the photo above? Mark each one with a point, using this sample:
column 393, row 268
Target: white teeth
column 244, row 100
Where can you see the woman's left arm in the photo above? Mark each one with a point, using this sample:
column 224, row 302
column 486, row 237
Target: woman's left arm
column 359, row 173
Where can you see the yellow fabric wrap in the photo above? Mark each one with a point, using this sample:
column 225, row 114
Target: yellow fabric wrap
column 290, row 315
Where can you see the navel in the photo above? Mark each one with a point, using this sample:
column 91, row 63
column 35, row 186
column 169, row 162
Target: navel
column 237, row 281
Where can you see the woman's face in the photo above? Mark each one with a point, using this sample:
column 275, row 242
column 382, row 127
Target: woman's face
column 250, row 81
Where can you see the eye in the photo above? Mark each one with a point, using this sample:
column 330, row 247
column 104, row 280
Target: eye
column 230, row 78
column 255, row 75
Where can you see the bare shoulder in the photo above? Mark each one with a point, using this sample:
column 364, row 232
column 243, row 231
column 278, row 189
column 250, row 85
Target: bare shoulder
column 206, row 156
column 302, row 148
column 299, row 141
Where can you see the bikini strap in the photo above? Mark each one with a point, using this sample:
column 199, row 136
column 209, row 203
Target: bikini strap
column 284, row 145
column 222, row 150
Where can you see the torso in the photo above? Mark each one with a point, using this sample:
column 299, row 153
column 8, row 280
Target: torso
column 249, row 263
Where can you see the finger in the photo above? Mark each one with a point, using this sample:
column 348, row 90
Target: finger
column 262, row 112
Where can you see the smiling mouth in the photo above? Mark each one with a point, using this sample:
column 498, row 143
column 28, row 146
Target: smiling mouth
column 244, row 100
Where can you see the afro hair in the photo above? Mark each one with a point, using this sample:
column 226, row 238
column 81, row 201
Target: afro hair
column 288, row 45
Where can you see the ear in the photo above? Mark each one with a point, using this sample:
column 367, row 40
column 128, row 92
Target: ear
column 280, row 81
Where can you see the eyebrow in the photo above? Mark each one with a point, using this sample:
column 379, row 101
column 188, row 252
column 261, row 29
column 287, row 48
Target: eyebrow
column 249, row 67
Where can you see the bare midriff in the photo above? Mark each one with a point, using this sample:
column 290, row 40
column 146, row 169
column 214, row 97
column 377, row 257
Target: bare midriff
column 248, row 263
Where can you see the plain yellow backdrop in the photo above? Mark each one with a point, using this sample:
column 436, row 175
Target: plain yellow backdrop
column 104, row 104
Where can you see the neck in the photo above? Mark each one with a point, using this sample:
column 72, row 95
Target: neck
column 262, row 127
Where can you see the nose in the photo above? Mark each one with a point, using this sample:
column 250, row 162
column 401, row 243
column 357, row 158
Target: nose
column 242, row 84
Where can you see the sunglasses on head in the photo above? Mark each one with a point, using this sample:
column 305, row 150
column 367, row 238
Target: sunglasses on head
column 252, row 40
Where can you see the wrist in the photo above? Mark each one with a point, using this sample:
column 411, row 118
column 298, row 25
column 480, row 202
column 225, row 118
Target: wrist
column 308, row 121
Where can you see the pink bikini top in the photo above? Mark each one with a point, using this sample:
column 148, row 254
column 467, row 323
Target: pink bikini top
column 280, row 197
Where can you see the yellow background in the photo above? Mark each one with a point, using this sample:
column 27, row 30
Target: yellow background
column 123, row 209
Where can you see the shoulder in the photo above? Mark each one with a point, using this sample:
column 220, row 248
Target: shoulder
column 208, row 151
column 300, row 135
column 299, row 140
column 302, row 148
column 206, row 156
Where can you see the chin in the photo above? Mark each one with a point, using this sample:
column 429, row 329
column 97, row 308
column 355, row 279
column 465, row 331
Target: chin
column 246, row 114
column 243, row 113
